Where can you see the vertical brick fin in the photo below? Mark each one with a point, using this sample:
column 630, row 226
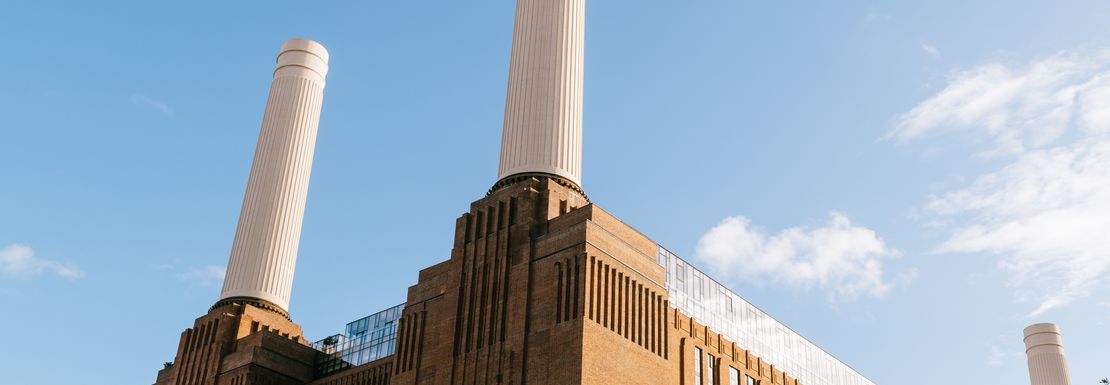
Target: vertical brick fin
column 468, row 223
column 494, row 295
column 624, row 306
column 470, row 301
column 660, row 325
column 604, row 300
column 484, row 299
column 505, row 274
column 578, row 261
column 558, row 291
column 416, row 347
column 599, row 272
column 203, row 353
column 630, row 314
column 568, row 286
column 645, row 317
column 502, row 216
column 591, row 279
column 479, row 225
column 459, row 309
column 649, row 320
column 619, row 308
column 473, row 328
column 491, row 223
column 639, row 315
column 666, row 332
column 631, row 310
column 402, row 330
column 196, row 356
column 409, row 333
column 185, row 357
column 512, row 211
column 613, row 295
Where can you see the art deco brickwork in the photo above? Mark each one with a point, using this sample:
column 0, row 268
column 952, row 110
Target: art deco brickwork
column 240, row 344
column 542, row 288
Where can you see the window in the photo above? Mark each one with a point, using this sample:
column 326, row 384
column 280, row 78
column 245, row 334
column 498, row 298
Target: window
column 680, row 275
column 749, row 380
column 697, row 366
column 699, row 288
column 711, row 365
column 733, row 376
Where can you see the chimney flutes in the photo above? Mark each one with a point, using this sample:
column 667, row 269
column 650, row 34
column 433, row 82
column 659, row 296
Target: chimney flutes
column 543, row 108
column 264, row 253
column 1045, row 350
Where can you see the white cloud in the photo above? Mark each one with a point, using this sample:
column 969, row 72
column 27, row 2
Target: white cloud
column 930, row 50
column 144, row 100
column 20, row 261
column 210, row 275
column 1044, row 214
column 1017, row 108
column 843, row 259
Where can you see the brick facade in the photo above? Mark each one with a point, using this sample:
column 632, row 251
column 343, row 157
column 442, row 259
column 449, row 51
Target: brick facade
column 542, row 288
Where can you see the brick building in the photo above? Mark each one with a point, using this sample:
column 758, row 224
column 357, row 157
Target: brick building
column 542, row 286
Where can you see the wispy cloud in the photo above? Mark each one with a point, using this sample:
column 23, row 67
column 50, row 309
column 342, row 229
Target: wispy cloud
column 146, row 101
column 930, row 50
column 1045, row 213
column 874, row 16
column 1016, row 107
column 999, row 356
column 839, row 257
column 20, row 261
column 210, row 275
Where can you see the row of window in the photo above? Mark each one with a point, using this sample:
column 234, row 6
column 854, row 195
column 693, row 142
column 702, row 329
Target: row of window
column 699, row 296
column 713, row 366
column 366, row 339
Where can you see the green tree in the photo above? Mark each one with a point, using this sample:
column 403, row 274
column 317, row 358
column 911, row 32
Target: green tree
column 1105, row 381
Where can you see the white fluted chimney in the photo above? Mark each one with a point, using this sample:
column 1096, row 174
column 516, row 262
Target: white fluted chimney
column 543, row 109
column 264, row 253
column 1045, row 350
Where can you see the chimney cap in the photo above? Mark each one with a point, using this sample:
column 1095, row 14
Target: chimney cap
column 1041, row 328
column 303, row 57
column 305, row 45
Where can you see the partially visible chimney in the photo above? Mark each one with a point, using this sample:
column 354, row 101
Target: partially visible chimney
column 264, row 253
column 1045, row 349
column 543, row 110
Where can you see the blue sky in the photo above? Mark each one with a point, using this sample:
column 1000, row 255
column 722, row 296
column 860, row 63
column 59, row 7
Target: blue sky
column 906, row 184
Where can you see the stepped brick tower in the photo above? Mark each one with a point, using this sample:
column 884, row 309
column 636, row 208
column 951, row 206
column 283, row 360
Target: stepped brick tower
column 542, row 287
column 247, row 337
